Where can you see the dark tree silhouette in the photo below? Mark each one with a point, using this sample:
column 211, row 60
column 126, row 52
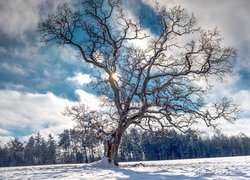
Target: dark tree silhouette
column 29, row 151
column 155, row 86
column 136, row 145
column 40, row 149
column 16, row 156
column 51, row 150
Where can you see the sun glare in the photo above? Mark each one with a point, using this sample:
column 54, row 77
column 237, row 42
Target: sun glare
column 115, row 76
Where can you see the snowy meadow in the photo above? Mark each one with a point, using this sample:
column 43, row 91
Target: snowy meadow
column 209, row 168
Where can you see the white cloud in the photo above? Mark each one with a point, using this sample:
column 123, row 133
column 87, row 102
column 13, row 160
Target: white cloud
column 229, row 16
column 28, row 51
column 228, row 89
column 80, row 78
column 20, row 16
column 88, row 99
column 13, row 68
column 242, row 98
column 39, row 112
column 4, row 132
column 13, row 86
column 240, row 126
column 67, row 54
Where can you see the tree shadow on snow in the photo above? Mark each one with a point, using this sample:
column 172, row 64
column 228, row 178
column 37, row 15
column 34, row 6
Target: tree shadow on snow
column 135, row 175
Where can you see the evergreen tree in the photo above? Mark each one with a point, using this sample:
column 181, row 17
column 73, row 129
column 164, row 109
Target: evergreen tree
column 40, row 149
column 29, row 151
column 16, row 153
column 136, row 145
column 64, row 144
column 51, row 150
column 4, row 161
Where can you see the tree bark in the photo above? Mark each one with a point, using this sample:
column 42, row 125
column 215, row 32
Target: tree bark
column 111, row 147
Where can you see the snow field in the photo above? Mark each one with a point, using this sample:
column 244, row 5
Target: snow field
column 209, row 168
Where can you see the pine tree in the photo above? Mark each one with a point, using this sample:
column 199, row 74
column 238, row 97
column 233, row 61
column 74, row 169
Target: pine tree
column 51, row 150
column 64, row 144
column 4, row 156
column 29, row 152
column 40, row 149
column 16, row 154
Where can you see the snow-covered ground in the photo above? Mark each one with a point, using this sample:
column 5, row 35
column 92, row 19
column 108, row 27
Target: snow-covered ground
column 211, row 168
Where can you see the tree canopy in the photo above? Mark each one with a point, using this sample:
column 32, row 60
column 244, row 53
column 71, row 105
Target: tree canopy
column 162, row 84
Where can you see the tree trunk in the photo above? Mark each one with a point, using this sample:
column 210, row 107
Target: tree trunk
column 111, row 147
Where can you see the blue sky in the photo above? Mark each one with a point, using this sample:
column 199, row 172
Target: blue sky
column 37, row 82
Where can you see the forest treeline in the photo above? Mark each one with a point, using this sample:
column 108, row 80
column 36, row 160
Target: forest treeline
column 74, row 146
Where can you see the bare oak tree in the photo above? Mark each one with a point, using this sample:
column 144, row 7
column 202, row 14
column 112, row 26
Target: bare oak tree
column 162, row 84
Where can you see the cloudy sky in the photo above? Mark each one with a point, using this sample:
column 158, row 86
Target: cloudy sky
column 37, row 82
